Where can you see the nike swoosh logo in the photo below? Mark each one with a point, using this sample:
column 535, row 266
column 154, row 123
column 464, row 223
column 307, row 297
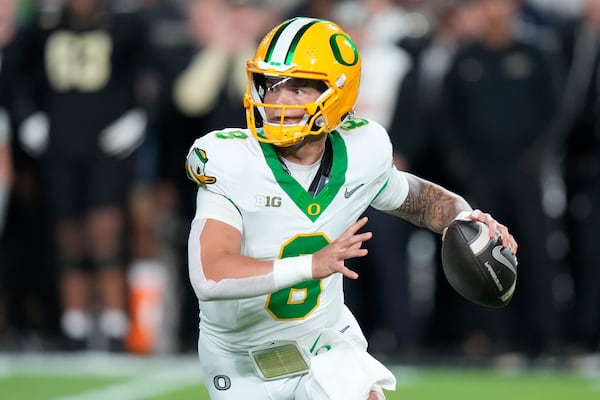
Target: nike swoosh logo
column 497, row 254
column 349, row 193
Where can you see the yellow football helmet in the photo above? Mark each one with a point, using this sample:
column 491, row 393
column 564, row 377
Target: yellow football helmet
column 303, row 48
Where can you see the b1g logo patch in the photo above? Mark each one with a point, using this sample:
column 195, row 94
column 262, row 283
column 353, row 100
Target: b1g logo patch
column 195, row 166
column 267, row 201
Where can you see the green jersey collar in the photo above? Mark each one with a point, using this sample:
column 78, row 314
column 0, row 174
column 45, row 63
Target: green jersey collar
column 312, row 207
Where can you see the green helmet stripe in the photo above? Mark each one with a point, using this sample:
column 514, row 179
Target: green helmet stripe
column 285, row 40
column 275, row 38
column 292, row 49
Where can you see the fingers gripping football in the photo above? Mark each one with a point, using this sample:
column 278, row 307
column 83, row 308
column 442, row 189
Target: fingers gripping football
column 330, row 259
column 496, row 229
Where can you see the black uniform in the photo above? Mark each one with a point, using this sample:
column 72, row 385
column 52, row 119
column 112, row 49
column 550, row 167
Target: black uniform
column 83, row 79
column 25, row 269
column 579, row 143
column 500, row 102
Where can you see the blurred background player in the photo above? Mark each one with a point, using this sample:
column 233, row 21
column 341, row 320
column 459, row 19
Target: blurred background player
column 8, row 28
column 500, row 95
column 202, row 89
column 84, row 123
column 388, row 325
column 27, row 292
column 7, row 32
column 577, row 146
column 416, row 130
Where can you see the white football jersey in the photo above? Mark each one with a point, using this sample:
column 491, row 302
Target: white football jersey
column 278, row 218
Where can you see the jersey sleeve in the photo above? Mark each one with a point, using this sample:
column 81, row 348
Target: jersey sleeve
column 391, row 184
column 394, row 191
column 210, row 205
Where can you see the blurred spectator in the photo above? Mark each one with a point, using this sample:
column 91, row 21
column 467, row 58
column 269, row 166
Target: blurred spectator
column 8, row 28
column 314, row 8
column 578, row 146
column 384, row 66
column 152, row 271
column 417, row 131
column 83, row 125
column 417, row 125
column 202, row 90
column 27, row 293
column 204, row 81
column 562, row 8
column 500, row 95
column 394, row 20
column 7, row 71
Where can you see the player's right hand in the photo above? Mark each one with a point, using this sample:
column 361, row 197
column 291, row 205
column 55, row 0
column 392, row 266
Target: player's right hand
column 33, row 133
column 330, row 259
column 125, row 134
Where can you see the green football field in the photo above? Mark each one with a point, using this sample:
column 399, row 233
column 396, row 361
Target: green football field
column 98, row 376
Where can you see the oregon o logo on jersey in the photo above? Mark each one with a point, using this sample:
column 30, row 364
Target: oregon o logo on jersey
column 313, row 209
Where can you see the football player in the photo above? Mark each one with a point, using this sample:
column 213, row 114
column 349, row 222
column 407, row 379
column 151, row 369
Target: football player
column 85, row 122
column 277, row 210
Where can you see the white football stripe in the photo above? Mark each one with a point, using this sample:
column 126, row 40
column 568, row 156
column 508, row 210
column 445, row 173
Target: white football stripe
column 481, row 240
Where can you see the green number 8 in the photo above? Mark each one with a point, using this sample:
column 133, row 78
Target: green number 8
column 299, row 301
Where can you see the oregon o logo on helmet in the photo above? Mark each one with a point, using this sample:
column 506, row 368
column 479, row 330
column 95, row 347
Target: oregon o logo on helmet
column 334, row 42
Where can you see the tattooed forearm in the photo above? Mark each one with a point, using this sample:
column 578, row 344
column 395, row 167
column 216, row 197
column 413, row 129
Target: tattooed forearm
column 429, row 205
